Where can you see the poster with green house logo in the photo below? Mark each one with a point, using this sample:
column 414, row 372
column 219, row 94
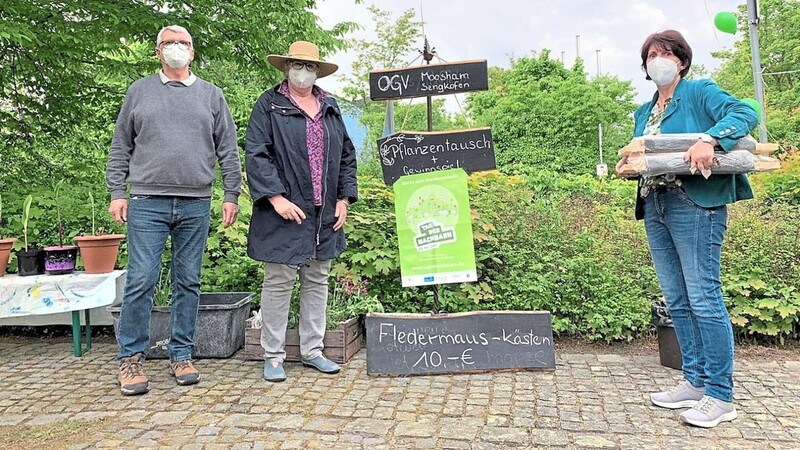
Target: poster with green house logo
column 434, row 228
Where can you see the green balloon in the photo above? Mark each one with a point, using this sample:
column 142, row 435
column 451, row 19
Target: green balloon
column 753, row 103
column 725, row 22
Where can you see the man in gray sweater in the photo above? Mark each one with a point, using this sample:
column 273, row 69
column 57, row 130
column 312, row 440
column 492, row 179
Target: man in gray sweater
column 172, row 129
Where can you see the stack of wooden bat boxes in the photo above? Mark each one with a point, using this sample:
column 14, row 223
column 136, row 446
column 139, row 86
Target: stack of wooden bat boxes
column 663, row 154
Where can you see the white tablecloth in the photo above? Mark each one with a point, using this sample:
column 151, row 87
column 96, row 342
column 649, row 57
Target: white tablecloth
column 50, row 294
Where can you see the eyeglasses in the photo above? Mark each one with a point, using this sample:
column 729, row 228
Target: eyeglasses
column 186, row 44
column 309, row 66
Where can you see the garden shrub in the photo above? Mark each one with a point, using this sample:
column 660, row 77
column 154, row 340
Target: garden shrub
column 570, row 245
column 543, row 241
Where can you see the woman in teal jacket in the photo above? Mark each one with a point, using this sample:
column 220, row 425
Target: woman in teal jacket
column 686, row 218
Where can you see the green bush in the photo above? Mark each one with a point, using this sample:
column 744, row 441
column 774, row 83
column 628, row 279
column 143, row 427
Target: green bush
column 569, row 245
column 543, row 241
column 531, row 255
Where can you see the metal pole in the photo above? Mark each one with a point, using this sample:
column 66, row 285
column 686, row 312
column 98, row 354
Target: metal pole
column 563, row 61
column 752, row 19
column 577, row 47
column 600, row 132
column 597, row 52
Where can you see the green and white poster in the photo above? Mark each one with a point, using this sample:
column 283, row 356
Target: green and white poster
column 434, row 228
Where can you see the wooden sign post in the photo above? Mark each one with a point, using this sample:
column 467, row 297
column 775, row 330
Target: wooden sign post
column 415, row 344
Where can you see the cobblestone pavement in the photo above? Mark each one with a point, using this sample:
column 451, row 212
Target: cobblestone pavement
column 51, row 399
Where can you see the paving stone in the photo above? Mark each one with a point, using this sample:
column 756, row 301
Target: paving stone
column 369, row 426
column 595, row 440
column 414, row 429
column 505, row 435
column 12, row 419
column 46, row 419
column 168, row 418
column 549, row 438
column 460, row 429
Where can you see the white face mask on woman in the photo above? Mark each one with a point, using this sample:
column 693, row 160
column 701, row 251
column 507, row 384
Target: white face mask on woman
column 176, row 55
column 302, row 78
column 662, row 70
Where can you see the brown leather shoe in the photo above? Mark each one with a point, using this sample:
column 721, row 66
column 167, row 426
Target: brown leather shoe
column 132, row 380
column 184, row 372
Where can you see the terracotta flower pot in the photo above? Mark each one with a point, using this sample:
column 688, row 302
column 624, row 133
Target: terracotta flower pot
column 99, row 253
column 60, row 259
column 5, row 252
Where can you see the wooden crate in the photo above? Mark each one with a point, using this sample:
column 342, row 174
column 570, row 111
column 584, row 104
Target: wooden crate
column 340, row 343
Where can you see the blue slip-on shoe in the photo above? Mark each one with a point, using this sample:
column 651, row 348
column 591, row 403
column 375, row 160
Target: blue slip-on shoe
column 274, row 373
column 322, row 364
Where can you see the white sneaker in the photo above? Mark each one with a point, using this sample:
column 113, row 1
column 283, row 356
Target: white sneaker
column 683, row 395
column 709, row 412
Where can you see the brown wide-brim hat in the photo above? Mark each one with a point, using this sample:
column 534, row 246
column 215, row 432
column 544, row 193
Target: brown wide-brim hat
column 303, row 51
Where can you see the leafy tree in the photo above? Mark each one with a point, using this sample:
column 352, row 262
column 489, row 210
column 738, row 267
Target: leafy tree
column 545, row 116
column 52, row 52
column 779, row 41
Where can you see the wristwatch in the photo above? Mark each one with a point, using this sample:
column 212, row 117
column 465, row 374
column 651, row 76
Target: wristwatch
column 707, row 139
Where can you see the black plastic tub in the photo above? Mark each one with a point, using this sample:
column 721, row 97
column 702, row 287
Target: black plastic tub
column 669, row 352
column 220, row 325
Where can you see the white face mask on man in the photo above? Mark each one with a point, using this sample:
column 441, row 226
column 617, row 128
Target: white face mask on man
column 662, row 70
column 176, row 55
column 302, row 78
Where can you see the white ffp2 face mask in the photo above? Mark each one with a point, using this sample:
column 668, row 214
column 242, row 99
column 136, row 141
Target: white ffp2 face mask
column 176, row 55
column 301, row 78
column 662, row 70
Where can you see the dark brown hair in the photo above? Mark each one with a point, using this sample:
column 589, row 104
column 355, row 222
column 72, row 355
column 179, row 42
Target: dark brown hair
column 668, row 40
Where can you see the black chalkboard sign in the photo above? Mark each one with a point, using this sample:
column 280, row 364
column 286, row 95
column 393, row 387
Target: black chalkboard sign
column 420, row 344
column 410, row 152
column 433, row 79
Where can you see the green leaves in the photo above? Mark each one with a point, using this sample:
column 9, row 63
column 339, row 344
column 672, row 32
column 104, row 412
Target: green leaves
column 64, row 60
column 26, row 213
column 759, row 308
column 545, row 116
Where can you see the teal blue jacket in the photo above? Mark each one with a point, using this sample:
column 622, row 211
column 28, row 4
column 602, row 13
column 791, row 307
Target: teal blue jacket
column 702, row 107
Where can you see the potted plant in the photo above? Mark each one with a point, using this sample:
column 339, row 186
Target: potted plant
column 5, row 244
column 99, row 250
column 60, row 259
column 30, row 261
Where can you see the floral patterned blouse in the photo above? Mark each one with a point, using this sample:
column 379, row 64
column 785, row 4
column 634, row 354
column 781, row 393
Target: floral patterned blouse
column 315, row 138
column 652, row 128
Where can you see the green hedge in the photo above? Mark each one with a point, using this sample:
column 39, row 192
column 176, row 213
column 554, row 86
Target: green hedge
column 543, row 241
column 569, row 245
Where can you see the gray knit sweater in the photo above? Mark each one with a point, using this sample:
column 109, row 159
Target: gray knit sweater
column 168, row 138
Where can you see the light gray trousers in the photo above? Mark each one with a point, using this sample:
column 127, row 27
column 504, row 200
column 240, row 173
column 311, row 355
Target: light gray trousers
column 276, row 295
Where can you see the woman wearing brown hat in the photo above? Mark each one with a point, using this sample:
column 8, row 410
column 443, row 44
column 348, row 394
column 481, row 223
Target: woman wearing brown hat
column 301, row 169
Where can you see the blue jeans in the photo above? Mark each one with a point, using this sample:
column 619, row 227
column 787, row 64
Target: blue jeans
column 151, row 219
column 686, row 244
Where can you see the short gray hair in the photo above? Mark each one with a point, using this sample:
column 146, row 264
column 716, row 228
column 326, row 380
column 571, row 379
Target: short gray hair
column 173, row 28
